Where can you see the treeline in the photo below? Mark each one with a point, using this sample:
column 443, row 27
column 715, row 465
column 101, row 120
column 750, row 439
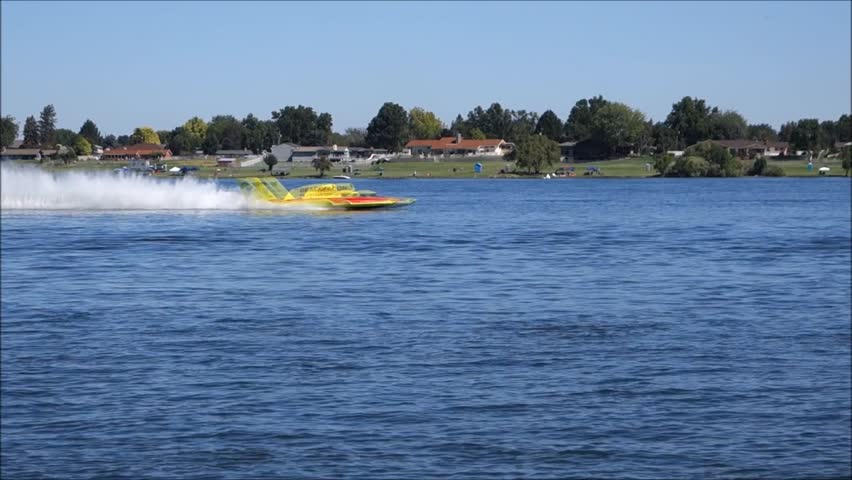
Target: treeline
column 611, row 126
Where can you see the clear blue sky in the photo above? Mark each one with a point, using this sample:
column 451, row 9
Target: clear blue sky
column 129, row 64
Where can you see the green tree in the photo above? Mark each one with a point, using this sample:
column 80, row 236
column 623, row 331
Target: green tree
column 522, row 125
column 357, row 137
column 164, row 136
column 477, row 134
column 844, row 128
column 664, row 137
column 64, row 136
column 90, row 132
column 691, row 120
column 258, row 135
column 496, row 122
column 302, row 126
column 389, row 128
column 110, row 141
column 323, row 130
column 720, row 161
column 353, row 137
column 67, row 154
column 689, row 166
column 459, row 127
column 144, row 135
column 424, row 124
column 8, row 131
column 31, row 134
column 663, row 164
column 616, row 124
column 535, row 152
column 196, row 127
column 270, row 161
column 578, row 127
column 182, row 142
column 321, row 164
column 846, row 155
column 47, row 126
column 227, row 130
column 122, row 140
column 758, row 166
column 211, row 144
column 81, row 145
column 827, row 134
column 785, row 133
column 727, row 125
column 806, row 135
column 549, row 125
column 761, row 132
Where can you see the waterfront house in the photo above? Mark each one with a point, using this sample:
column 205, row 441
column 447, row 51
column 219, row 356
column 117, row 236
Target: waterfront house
column 144, row 150
column 743, row 148
column 457, row 145
column 27, row 153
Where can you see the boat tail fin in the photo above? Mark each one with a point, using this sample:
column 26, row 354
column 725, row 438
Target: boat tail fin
column 275, row 187
column 255, row 187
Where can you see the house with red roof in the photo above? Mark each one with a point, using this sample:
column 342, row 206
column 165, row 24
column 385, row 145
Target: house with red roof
column 141, row 150
column 457, row 145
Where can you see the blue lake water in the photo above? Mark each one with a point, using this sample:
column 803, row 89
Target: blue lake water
column 572, row 328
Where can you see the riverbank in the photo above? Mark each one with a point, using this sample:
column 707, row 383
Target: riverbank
column 618, row 168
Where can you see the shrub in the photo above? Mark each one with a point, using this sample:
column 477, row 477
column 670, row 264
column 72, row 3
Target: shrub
column 758, row 167
column 663, row 163
column 689, row 167
column 773, row 171
column 721, row 162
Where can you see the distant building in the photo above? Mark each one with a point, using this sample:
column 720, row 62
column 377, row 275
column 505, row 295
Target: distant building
column 458, row 146
column 284, row 151
column 227, row 162
column 234, row 153
column 306, row 154
column 753, row 148
column 27, row 153
column 288, row 152
column 144, row 150
column 566, row 151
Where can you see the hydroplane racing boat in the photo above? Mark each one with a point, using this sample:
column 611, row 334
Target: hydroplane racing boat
column 329, row 195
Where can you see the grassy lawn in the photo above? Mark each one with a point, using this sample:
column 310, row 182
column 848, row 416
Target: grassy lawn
column 799, row 168
column 456, row 168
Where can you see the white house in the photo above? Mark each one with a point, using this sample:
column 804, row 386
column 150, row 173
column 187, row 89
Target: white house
column 458, row 146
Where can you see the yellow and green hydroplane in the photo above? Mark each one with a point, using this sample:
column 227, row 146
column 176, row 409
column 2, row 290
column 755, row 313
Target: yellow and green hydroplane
column 329, row 195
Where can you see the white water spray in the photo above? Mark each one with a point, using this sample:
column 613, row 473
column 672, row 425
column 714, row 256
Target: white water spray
column 28, row 188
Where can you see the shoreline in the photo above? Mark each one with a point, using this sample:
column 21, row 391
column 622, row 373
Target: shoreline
column 624, row 168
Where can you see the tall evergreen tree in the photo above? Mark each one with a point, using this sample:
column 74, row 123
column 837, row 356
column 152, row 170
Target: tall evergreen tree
column 90, row 132
column 31, row 133
column 47, row 126
column 8, row 130
column 549, row 125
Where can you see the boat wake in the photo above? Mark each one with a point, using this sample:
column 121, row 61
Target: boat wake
column 30, row 188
